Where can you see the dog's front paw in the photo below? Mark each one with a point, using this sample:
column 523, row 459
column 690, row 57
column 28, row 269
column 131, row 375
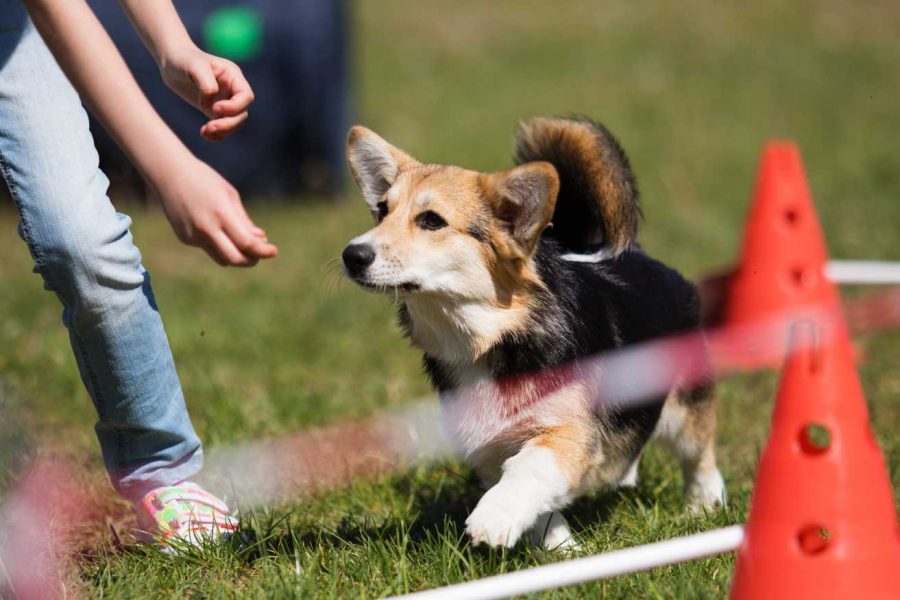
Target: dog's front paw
column 706, row 491
column 499, row 520
column 552, row 532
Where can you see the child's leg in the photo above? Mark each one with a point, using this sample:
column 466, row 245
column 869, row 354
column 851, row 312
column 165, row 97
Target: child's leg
column 84, row 251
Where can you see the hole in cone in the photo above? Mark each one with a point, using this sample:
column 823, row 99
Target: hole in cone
column 813, row 539
column 791, row 217
column 801, row 278
column 815, row 438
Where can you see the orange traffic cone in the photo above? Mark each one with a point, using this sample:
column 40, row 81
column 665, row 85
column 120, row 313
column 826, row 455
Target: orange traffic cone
column 781, row 273
column 822, row 521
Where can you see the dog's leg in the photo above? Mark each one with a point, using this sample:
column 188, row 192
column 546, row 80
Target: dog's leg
column 630, row 479
column 552, row 532
column 538, row 480
column 687, row 426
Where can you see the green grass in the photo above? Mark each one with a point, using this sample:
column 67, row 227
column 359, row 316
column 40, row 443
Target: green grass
column 693, row 89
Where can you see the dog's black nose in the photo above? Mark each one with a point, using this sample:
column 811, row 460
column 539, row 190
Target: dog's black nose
column 357, row 257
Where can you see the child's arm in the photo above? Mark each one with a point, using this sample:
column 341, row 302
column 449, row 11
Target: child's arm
column 213, row 85
column 204, row 209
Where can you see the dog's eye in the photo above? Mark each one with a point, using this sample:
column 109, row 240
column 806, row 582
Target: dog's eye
column 430, row 220
column 382, row 210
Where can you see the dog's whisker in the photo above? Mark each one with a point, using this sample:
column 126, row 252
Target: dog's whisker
column 332, row 275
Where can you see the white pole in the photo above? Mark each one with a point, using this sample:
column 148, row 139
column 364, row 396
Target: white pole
column 580, row 570
column 863, row 272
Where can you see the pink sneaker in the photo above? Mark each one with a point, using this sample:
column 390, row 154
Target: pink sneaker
column 183, row 513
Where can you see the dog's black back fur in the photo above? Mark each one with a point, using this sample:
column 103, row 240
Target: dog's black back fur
column 591, row 308
column 588, row 308
column 594, row 307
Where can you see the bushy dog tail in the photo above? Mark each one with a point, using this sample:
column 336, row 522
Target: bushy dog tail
column 597, row 206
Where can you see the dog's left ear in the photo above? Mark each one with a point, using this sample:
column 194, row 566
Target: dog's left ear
column 523, row 199
column 375, row 164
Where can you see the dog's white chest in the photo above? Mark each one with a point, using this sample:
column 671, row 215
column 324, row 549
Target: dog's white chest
column 484, row 415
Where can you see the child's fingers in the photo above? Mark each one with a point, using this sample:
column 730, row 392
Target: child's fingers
column 257, row 248
column 214, row 254
column 205, row 80
column 236, row 94
column 240, row 231
column 229, row 252
column 262, row 249
column 239, row 101
column 254, row 228
column 217, row 130
column 203, row 77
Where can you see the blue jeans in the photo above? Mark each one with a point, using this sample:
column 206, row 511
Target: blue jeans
column 84, row 251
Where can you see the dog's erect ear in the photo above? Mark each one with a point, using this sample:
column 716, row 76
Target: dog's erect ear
column 523, row 199
column 375, row 164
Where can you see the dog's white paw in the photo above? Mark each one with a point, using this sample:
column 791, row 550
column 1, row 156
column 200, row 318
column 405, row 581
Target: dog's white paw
column 705, row 491
column 552, row 532
column 629, row 480
column 500, row 519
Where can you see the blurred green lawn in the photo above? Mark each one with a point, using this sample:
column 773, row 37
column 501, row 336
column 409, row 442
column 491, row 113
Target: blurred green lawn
column 693, row 89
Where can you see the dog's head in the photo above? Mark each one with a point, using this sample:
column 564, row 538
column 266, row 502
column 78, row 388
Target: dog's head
column 453, row 235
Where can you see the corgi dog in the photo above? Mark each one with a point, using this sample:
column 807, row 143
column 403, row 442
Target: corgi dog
column 504, row 281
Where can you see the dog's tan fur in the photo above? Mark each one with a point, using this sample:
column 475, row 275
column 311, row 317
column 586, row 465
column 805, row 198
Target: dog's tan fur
column 470, row 202
column 579, row 143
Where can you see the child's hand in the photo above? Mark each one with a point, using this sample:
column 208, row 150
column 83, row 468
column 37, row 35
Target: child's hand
column 206, row 211
column 213, row 85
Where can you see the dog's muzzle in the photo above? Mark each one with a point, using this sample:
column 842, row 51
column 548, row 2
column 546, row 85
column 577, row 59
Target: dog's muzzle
column 357, row 258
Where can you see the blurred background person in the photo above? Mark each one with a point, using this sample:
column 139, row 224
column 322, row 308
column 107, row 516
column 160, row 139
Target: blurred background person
column 295, row 54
